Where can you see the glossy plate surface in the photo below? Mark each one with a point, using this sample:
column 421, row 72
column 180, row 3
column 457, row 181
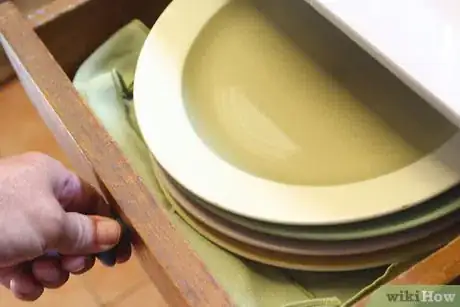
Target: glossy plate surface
column 437, row 208
column 300, row 246
column 166, row 126
column 323, row 263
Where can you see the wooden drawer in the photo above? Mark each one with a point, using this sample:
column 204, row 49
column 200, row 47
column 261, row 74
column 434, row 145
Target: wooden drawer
column 45, row 42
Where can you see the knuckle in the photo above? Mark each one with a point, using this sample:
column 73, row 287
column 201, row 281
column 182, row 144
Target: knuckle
column 53, row 227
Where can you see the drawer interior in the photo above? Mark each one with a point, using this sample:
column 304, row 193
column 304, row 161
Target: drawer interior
column 72, row 29
column 72, row 33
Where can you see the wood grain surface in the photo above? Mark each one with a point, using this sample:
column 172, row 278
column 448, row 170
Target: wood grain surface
column 442, row 267
column 176, row 270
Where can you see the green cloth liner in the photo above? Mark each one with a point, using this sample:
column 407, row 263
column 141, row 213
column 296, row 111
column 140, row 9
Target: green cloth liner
column 105, row 82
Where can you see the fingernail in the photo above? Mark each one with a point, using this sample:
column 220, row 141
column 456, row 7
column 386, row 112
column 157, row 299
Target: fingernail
column 108, row 233
column 76, row 264
column 51, row 275
column 22, row 286
column 25, row 289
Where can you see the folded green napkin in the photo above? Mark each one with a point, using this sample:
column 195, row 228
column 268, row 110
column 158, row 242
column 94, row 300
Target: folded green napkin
column 105, row 82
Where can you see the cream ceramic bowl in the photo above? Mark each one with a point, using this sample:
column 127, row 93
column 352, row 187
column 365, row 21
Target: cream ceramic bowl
column 164, row 119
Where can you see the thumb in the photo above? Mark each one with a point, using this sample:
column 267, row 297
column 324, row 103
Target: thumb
column 83, row 234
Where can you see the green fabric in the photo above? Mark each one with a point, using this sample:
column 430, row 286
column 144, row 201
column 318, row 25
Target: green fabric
column 97, row 81
column 105, row 82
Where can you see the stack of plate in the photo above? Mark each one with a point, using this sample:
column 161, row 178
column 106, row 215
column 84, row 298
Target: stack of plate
column 279, row 139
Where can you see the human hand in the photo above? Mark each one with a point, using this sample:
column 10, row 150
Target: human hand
column 44, row 208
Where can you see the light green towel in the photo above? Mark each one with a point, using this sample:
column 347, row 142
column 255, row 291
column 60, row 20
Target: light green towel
column 105, row 82
column 98, row 83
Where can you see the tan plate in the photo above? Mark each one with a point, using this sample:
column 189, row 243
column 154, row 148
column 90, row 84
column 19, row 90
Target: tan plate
column 315, row 263
column 293, row 246
column 304, row 247
column 437, row 208
column 270, row 109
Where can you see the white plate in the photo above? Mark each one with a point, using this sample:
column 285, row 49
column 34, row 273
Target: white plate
column 419, row 40
column 166, row 127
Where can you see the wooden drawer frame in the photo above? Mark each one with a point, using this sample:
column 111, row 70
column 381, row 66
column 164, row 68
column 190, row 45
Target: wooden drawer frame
column 42, row 52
